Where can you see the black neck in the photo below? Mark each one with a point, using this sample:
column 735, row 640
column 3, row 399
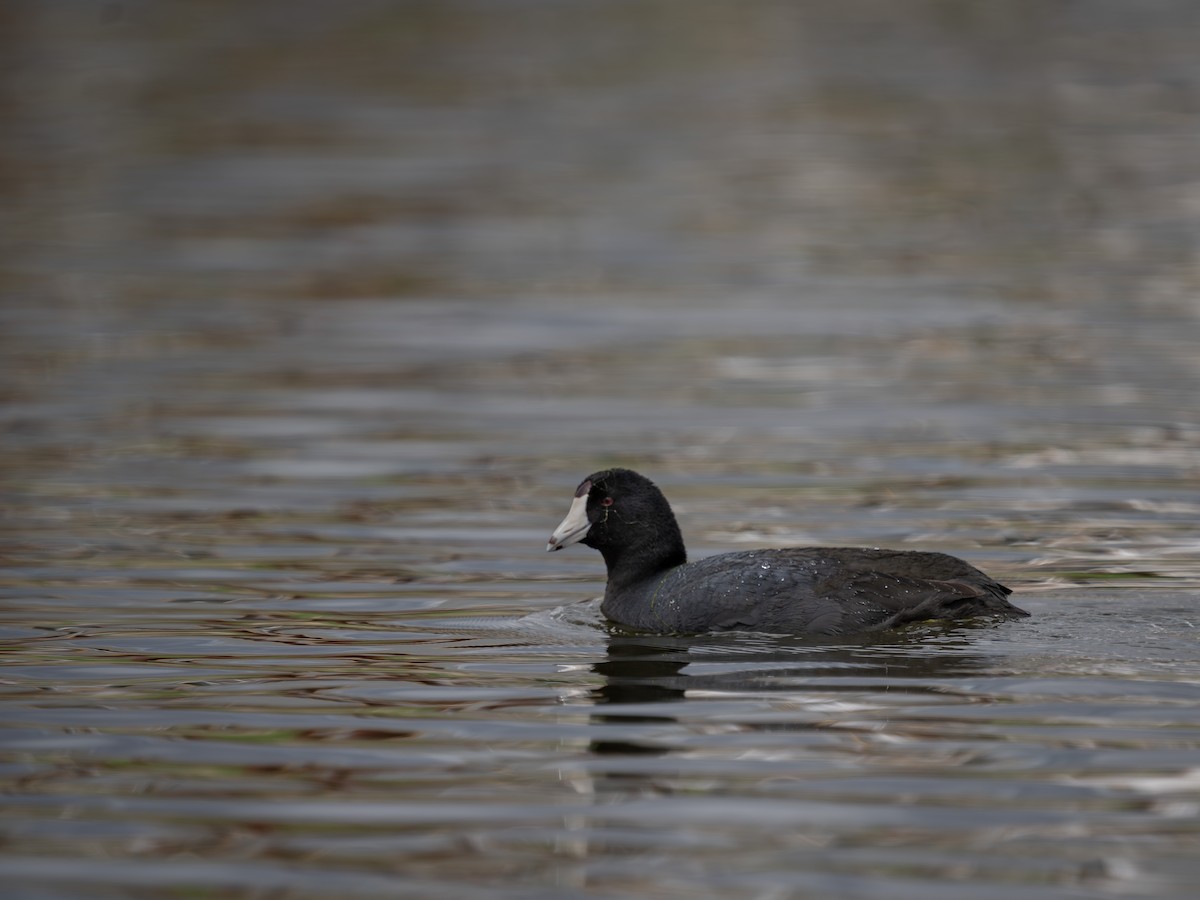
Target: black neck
column 629, row 565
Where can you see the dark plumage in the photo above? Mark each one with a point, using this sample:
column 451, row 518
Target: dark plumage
column 807, row 590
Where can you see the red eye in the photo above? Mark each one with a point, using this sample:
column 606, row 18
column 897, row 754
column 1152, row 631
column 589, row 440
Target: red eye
column 607, row 501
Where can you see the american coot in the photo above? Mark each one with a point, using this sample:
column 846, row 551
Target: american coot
column 806, row 590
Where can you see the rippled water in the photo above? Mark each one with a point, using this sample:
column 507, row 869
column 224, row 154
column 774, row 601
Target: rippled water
column 312, row 321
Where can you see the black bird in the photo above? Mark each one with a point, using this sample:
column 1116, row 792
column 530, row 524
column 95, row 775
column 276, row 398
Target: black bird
column 804, row 590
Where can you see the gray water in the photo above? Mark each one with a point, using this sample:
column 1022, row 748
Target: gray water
column 313, row 318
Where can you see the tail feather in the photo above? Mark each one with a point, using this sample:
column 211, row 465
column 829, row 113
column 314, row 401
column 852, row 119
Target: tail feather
column 959, row 600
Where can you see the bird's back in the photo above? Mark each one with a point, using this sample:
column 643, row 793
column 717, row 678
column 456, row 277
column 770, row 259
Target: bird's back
column 810, row 590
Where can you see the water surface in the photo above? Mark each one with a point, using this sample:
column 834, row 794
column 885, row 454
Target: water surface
column 312, row 321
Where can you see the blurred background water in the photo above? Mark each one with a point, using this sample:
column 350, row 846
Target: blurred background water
column 313, row 315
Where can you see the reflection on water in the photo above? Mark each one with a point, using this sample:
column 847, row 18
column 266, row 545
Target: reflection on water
column 456, row 749
column 312, row 318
